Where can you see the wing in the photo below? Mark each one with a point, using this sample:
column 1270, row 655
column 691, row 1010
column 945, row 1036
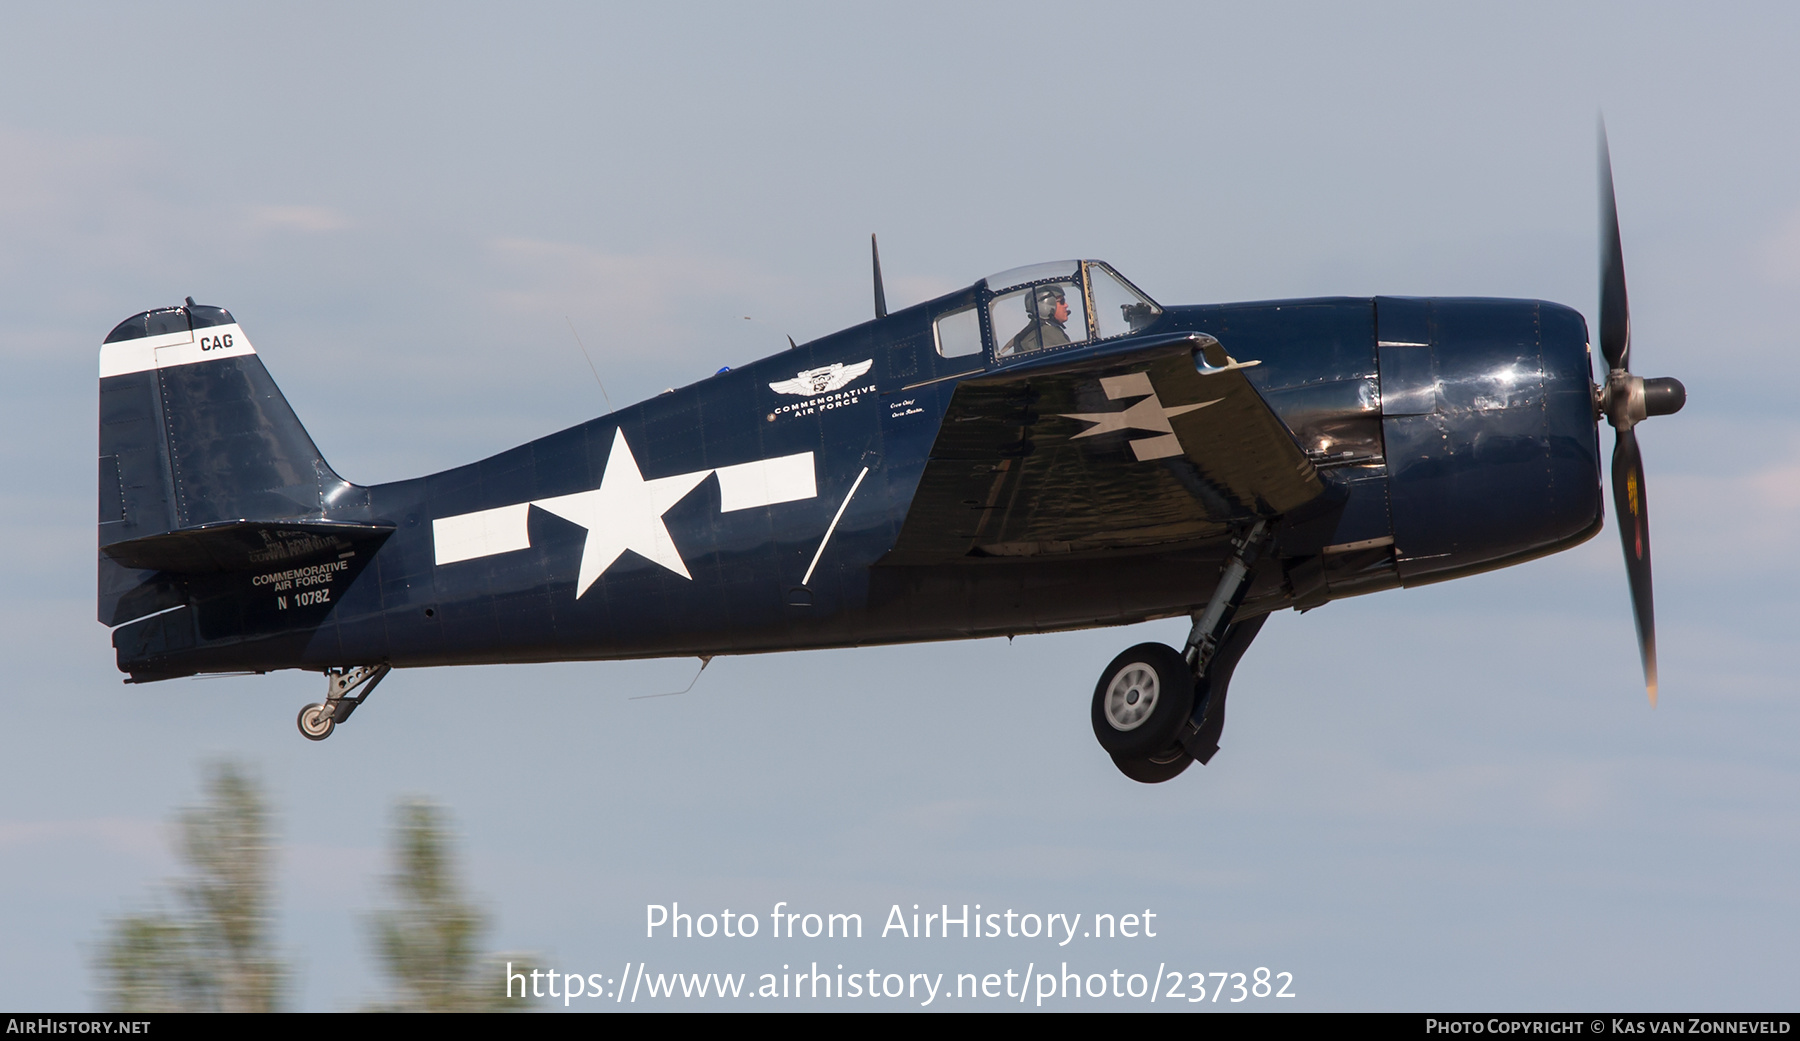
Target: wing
column 1154, row 444
column 798, row 385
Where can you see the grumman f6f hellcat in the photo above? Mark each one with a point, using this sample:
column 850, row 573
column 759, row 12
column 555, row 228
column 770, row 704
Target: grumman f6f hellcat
column 1046, row 449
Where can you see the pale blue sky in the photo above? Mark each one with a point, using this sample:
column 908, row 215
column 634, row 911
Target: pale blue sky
column 1452, row 797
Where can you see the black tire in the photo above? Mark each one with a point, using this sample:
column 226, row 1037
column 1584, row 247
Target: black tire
column 1141, row 701
column 1147, row 771
column 315, row 723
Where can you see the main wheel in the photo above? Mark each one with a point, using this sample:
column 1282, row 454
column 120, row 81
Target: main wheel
column 1149, row 771
column 1142, row 700
column 316, row 723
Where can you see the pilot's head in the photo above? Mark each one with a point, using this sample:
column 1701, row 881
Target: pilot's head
column 1052, row 304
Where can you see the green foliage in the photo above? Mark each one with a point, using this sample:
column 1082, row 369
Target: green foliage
column 429, row 941
column 215, row 953
column 145, row 967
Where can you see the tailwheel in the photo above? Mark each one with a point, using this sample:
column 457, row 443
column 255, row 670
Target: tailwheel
column 1140, row 703
column 345, row 689
column 316, row 723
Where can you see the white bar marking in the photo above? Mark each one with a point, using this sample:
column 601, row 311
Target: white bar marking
column 1130, row 385
column 765, row 482
column 1165, row 446
column 482, row 533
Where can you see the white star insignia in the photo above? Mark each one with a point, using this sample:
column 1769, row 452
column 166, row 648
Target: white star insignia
column 1149, row 414
column 624, row 513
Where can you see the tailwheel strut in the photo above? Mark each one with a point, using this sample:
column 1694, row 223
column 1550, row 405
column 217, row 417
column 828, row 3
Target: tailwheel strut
column 345, row 689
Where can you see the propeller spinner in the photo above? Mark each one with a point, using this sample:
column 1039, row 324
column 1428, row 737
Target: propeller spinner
column 1625, row 401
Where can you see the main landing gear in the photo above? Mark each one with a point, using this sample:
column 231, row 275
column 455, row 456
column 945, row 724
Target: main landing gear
column 1156, row 709
column 317, row 721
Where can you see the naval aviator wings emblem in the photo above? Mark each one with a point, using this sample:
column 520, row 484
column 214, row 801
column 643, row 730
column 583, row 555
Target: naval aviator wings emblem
column 835, row 376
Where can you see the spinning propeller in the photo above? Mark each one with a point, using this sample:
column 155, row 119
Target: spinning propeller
column 1626, row 400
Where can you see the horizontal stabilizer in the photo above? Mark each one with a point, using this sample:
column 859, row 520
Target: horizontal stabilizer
column 235, row 546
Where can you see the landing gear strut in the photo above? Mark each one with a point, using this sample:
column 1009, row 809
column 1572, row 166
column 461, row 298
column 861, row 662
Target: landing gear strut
column 317, row 721
column 1156, row 710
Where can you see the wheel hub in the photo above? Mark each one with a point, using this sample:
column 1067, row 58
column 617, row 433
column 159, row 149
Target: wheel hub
column 1131, row 696
column 316, row 722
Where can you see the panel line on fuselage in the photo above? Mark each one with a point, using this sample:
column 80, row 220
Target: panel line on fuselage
column 940, row 379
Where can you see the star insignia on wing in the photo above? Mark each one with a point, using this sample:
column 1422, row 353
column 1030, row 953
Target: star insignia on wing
column 1149, row 415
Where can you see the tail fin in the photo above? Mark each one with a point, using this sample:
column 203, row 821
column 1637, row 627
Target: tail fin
column 193, row 434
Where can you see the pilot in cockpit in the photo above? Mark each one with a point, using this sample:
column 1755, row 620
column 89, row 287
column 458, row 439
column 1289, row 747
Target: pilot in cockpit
column 1046, row 328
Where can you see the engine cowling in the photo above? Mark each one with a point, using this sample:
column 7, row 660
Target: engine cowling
column 1488, row 427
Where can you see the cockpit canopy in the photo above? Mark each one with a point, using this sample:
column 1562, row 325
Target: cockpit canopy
column 1043, row 306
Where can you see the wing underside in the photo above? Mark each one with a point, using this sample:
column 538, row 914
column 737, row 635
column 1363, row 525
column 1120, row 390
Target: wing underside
column 1165, row 444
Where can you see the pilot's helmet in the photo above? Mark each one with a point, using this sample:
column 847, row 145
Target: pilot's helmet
column 1047, row 297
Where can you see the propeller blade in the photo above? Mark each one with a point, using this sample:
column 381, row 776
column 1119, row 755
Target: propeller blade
column 1632, row 509
column 1615, row 312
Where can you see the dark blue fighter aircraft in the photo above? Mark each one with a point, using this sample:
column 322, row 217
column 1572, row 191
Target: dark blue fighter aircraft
column 1047, row 449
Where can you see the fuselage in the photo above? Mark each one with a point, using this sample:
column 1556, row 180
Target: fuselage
column 1458, row 435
